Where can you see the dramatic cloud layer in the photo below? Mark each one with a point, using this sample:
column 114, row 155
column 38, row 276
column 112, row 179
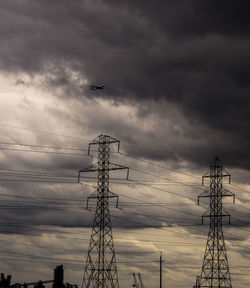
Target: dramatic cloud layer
column 176, row 76
column 192, row 54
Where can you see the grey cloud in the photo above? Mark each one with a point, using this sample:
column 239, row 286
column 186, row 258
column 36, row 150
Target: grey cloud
column 187, row 53
column 181, row 67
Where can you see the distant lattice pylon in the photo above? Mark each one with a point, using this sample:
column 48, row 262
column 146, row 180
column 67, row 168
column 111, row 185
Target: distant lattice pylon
column 101, row 269
column 215, row 269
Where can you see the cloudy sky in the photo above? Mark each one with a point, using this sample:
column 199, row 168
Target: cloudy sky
column 176, row 76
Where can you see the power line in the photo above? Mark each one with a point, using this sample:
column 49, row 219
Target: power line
column 118, row 237
column 45, row 259
column 172, row 153
column 41, row 151
column 42, row 146
column 163, row 190
column 40, row 131
column 161, row 177
column 160, row 166
column 20, row 173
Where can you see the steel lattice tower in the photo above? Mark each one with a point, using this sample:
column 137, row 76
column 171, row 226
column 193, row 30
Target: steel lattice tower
column 100, row 269
column 215, row 269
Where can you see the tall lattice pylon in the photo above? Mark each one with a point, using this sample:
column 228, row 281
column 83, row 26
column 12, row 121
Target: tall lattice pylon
column 100, row 269
column 215, row 269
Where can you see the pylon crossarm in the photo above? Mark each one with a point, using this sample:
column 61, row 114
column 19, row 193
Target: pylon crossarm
column 113, row 195
column 91, row 168
column 205, row 194
column 226, row 214
column 94, row 195
column 226, row 174
column 203, row 177
column 216, row 176
column 227, row 193
column 104, row 139
column 205, row 215
column 113, row 167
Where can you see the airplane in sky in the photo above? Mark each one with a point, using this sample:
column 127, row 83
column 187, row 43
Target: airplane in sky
column 97, row 87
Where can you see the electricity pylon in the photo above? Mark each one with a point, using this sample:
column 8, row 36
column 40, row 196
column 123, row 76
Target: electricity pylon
column 100, row 269
column 215, row 269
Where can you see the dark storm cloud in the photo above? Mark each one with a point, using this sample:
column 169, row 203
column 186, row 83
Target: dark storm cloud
column 187, row 18
column 194, row 54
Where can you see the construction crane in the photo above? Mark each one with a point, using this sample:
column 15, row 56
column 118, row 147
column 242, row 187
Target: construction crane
column 138, row 283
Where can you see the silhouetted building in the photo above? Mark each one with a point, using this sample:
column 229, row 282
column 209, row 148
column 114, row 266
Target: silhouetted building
column 39, row 284
column 58, row 277
column 57, row 281
column 5, row 282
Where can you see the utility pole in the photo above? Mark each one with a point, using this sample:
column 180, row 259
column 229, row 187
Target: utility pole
column 101, row 269
column 161, row 270
column 215, row 269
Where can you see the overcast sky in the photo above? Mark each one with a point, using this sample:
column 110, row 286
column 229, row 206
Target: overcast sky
column 176, row 76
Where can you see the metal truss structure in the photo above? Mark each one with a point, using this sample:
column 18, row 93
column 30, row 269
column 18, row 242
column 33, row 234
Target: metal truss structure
column 215, row 269
column 101, row 269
